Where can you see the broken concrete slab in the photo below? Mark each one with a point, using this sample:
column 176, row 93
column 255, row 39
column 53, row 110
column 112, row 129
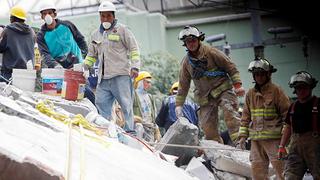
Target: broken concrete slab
column 92, row 156
column 197, row 169
column 184, row 133
column 227, row 158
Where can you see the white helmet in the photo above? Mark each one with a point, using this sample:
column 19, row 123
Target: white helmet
column 107, row 6
column 302, row 77
column 47, row 5
column 260, row 64
column 190, row 31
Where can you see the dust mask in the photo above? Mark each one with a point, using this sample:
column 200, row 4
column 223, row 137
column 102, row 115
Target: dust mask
column 106, row 25
column 48, row 19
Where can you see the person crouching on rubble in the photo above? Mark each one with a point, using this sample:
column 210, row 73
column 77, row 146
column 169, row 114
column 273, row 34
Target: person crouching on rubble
column 144, row 109
column 264, row 110
column 302, row 124
column 214, row 76
column 167, row 115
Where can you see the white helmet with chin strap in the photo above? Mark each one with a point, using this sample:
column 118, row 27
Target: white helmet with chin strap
column 190, row 31
column 260, row 64
column 302, row 77
column 107, row 6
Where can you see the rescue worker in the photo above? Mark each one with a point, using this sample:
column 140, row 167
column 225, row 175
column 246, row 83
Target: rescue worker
column 111, row 43
column 302, row 124
column 60, row 42
column 144, row 109
column 16, row 43
column 167, row 115
column 264, row 111
column 212, row 73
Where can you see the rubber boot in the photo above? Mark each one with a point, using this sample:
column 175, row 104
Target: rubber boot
column 259, row 170
column 278, row 167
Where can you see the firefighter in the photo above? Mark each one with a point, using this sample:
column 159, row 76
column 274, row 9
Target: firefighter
column 264, row 110
column 212, row 73
column 303, row 126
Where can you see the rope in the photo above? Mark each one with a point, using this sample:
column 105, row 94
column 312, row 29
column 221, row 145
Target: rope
column 47, row 107
column 194, row 147
column 69, row 151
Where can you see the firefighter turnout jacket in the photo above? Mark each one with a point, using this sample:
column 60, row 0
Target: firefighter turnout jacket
column 264, row 112
column 219, row 75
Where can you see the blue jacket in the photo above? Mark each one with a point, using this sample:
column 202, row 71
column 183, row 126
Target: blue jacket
column 167, row 115
column 65, row 42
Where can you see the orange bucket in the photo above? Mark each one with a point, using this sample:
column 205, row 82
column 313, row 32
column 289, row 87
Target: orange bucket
column 73, row 85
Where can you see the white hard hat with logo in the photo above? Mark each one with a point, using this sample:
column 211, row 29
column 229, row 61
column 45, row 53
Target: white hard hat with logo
column 107, row 6
column 47, row 5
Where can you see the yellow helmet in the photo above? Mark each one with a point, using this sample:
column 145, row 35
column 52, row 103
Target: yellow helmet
column 142, row 75
column 174, row 86
column 18, row 12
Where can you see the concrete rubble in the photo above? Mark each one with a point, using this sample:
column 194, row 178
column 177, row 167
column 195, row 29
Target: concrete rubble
column 41, row 147
column 184, row 133
column 35, row 146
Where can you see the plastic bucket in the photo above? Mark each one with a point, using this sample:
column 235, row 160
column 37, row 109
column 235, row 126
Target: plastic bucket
column 52, row 80
column 73, row 85
column 24, row 79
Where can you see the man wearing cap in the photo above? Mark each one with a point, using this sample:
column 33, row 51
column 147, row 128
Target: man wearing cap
column 263, row 114
column 116, row 48
column 60, row 42
column 144, row 109
column 16, row 43
column 302, row 124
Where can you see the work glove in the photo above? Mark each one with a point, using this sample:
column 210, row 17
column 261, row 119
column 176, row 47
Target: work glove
column 134, row 73
column 238, row 89
column 86, row 74
column 179, row 112
column 157, row 134
column 58, row 66
column 282, row 152
column 241, row 143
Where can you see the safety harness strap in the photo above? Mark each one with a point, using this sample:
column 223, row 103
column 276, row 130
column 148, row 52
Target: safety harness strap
column 315, row 128
column 208, row 73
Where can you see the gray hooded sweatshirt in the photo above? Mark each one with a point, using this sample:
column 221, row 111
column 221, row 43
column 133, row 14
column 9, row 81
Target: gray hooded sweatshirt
column 17, row 45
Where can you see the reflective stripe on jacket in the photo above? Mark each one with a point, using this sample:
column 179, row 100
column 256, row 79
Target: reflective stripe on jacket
column 112, row 48
column 264, row 112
